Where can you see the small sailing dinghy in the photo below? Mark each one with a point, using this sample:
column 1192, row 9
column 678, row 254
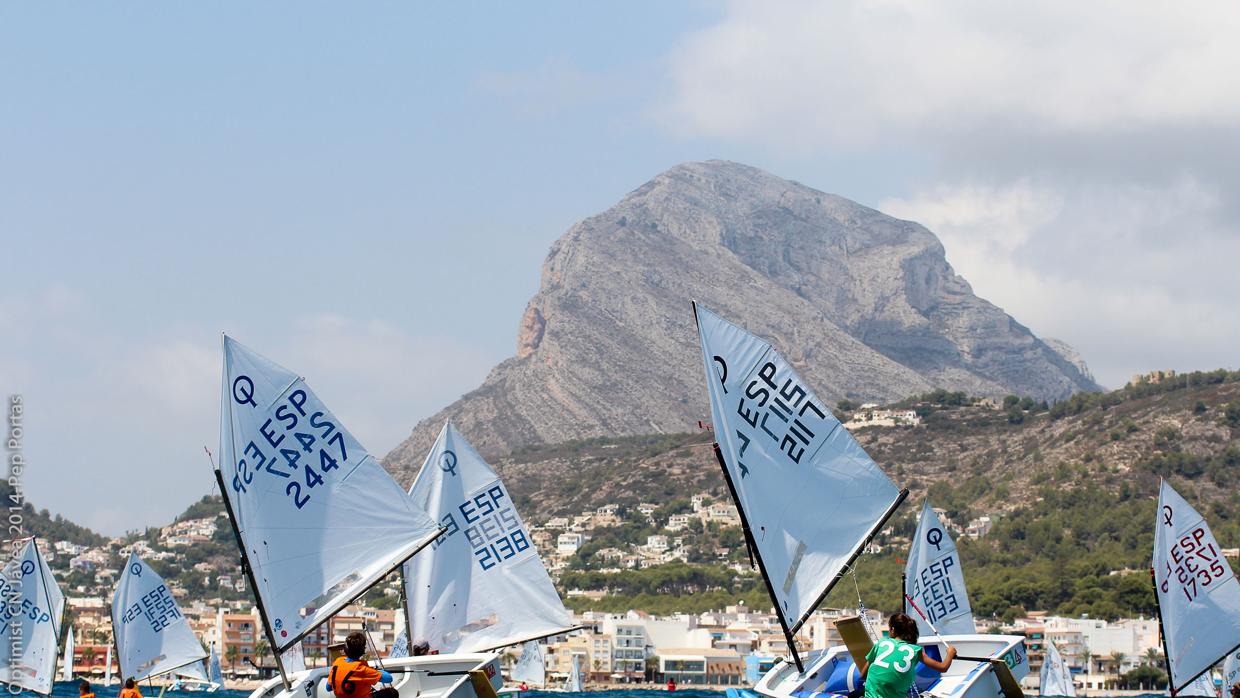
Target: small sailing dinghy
column 152, row 636
column 66, row 662
column 482, row 585
column 1231, row 671
column 1198, row 595
column 1201, row 687
column 530, row 671
column 810, row 499
column 934, row 580
column 575, row 684
column 1055, row 679
column 319, row 522
column 204, row 677
column 27, row 584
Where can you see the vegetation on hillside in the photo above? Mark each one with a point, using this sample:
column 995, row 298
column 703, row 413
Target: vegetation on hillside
column 1070, row 486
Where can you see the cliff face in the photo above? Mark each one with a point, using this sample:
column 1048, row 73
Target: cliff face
column 865, row 305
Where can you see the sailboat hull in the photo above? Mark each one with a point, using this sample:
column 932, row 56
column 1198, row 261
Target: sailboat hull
column 431, row 676
column 831, row 672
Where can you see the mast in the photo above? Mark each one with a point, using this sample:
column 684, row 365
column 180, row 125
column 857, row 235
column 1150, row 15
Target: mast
column 1161, row 635
column 757, row 556
column 47, row 598
column 249, row 573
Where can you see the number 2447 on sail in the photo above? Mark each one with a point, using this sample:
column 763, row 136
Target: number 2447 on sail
column 291, row 468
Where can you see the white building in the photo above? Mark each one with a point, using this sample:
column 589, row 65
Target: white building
column 569, row 543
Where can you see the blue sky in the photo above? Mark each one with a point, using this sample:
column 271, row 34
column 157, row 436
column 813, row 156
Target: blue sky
column 365, row 193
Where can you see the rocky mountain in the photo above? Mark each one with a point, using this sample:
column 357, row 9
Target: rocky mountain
column 865, row 305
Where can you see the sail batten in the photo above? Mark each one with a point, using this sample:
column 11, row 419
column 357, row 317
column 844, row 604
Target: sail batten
column 1198, row 594
column 27, row 583
column 809, row 495
column 481, row 585
column 318, row 518
column 152, row 635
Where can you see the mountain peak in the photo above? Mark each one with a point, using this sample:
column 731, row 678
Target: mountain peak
column 864, row 304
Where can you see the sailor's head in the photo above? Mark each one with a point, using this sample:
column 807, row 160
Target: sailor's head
column 421, row 647
column 355, row 646
column 83, row 687
column 903, row 627
column 129, row 683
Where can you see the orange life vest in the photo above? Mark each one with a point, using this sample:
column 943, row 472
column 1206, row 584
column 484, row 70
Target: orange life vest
column 86, row 695
column 130, row 693
column 352, row 678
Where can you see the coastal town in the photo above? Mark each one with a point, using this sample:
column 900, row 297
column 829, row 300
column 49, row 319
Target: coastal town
column 731, row 646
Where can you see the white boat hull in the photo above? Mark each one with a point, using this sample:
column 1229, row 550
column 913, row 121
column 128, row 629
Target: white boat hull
column 430, row 676
column 965, row 678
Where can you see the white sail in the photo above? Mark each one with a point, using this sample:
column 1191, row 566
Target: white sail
column 34, row 612
column 934, row 579
column 66, row 662
column 214, row 671
column 320, row 519
column 1056, row 679
column 481, row 585
column 152, row 636
column 1198, row 594
column 107, row 672
column 530, row 668
column 293, row 658
column 400, row 646
column 1231, row 671
column 196, row 671
column 1200, row 687
column 810, row 494
column 574, row 683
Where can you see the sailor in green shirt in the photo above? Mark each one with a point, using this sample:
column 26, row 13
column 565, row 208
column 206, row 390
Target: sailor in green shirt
column 891, row 665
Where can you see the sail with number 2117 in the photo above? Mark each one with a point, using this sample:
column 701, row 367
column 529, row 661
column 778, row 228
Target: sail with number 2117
column 809, row 495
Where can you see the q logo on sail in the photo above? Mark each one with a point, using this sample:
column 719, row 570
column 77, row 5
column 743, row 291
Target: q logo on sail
column 934, row 537
column 243, row 391
column 448, row 463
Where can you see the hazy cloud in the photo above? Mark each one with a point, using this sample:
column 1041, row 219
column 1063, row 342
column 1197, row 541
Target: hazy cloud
column 1083, row 156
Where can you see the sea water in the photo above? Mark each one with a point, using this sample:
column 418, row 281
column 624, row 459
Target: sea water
column 66, row 689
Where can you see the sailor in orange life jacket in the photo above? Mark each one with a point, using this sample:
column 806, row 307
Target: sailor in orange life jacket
column 84, row 690
column 351, row 676
column 130, row 690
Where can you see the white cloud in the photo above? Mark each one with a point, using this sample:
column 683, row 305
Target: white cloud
column 118, row 418
column 1080, row 155
column 856, row 72
column 1091, row 264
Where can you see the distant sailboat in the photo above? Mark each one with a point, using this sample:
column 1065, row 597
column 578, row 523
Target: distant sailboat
column 934, row 579
column 574, row 684
column 107, row 672
column 1231, row 671
column 27, row 583
column 1055, row 679
column 152, row 635
column 530, row 669
column 318, row 521
column 214, row 671
column 1197, row 592
column 1201, row 687
column 481, row 586
column 66, row 662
